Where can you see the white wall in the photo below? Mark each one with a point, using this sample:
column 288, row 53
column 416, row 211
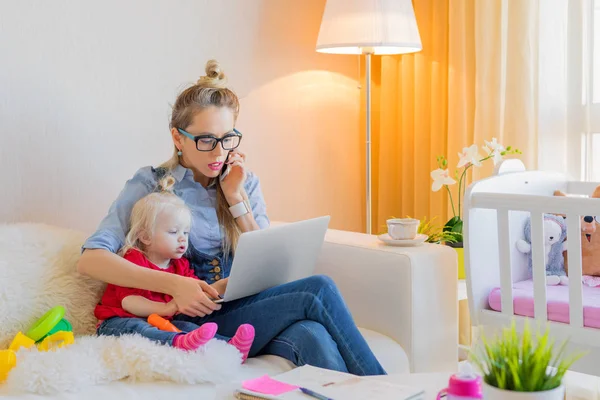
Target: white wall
column 85, row 89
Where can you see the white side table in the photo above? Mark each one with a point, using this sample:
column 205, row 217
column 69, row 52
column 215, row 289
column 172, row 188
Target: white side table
column 432, row 383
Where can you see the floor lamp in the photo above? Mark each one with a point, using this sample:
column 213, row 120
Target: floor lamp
column 369, row 27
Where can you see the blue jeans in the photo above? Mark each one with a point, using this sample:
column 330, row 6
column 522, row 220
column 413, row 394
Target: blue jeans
column 305, row 321
column 124, row 326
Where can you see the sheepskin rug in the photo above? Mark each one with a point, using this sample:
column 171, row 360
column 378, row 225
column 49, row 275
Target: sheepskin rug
column 37, row 272
column 100, row 360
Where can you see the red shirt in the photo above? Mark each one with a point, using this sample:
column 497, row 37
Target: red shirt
column 110, row 304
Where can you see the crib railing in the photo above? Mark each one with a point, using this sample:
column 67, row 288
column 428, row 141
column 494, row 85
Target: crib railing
column 573, row 208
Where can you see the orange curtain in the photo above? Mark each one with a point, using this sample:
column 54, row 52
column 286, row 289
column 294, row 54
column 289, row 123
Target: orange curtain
column 474, row 80
column 422, row 106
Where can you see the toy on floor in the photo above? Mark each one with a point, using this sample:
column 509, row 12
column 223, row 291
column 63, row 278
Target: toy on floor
column 590, row 245
column 161, row 323
column 555, row 233
column 50, row 332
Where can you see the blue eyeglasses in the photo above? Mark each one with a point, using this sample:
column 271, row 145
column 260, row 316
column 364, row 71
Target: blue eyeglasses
column 208, row 142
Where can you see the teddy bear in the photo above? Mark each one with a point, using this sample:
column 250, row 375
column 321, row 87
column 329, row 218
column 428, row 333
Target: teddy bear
column 555, row 233
column 590, row 245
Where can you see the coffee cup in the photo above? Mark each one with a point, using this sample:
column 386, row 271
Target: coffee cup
column 403, row 228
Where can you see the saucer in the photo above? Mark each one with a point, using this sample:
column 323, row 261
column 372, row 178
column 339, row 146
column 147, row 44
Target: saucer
column 418, row 240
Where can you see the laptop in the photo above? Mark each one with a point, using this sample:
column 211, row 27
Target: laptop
column 274, row 256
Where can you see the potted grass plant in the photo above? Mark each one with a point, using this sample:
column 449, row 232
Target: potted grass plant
column 519, row 366
column 442, row 178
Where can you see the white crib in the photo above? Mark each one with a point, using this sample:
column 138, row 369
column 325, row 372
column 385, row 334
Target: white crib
column 495, row 212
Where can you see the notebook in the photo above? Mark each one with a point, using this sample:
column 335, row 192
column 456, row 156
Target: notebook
column 335, row 385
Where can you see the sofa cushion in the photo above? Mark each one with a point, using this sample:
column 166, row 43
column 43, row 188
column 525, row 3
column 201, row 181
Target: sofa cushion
column 389, row 353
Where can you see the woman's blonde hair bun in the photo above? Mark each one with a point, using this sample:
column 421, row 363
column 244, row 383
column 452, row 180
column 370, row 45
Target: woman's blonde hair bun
column 215, row 77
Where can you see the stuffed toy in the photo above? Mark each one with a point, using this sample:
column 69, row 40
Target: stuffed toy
column 555, row 233
column 590, row 244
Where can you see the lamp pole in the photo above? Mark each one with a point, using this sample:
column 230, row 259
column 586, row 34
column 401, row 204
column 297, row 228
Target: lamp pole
column 367, row 52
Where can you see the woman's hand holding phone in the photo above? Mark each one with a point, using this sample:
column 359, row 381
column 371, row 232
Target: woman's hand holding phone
column 234, row 177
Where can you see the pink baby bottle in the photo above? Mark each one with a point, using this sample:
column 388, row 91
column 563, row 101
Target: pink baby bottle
column 465, row 385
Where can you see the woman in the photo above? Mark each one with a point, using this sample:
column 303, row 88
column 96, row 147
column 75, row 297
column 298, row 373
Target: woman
column 305, row 321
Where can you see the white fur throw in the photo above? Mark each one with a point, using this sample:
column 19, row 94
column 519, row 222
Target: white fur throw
column 98, row 360
column 37, row 272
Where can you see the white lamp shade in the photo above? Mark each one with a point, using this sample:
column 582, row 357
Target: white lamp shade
column 374, row 26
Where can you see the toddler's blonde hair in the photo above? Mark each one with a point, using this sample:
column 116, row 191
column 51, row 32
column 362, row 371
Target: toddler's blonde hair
column 146, row 210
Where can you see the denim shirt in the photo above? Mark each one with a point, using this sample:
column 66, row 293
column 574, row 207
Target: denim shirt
column 205, row 252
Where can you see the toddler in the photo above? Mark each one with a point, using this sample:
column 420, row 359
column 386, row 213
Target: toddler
column 158, row 239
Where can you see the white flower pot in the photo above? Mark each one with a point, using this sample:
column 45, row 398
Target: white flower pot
column 492, row 393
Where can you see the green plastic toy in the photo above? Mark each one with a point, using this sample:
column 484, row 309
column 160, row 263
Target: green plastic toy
column 49, row 324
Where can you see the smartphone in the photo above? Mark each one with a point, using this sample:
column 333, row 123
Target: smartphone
column 225, row 171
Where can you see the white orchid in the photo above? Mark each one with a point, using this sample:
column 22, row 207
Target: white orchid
column 495, row 149
column 440, row 178
column 469, row 156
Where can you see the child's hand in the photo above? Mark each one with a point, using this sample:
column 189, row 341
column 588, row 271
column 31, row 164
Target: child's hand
column 220, row 286
column 170, row 309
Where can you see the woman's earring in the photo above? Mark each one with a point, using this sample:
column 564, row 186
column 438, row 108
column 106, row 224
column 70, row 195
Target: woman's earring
column 179, row 153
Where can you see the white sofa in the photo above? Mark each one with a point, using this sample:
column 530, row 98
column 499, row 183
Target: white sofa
column 403, row 299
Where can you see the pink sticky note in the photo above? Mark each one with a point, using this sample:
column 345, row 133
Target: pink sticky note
column 266, row 385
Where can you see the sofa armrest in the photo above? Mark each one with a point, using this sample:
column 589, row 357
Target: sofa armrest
column 406, row 293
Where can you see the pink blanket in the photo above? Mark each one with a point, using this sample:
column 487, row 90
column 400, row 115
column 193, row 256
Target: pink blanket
column 557, row 299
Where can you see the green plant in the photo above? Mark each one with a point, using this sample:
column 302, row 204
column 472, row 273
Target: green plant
column 437, row 234
column 519, row 363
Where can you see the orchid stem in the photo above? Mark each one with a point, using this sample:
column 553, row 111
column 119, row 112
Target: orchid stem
column 451, row 200
column 461, row 189
column 465, row 184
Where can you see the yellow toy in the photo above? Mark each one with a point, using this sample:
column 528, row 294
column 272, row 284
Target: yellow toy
column 21, row 340
column 8, row 360
column 56, row 341
column 51, row 332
